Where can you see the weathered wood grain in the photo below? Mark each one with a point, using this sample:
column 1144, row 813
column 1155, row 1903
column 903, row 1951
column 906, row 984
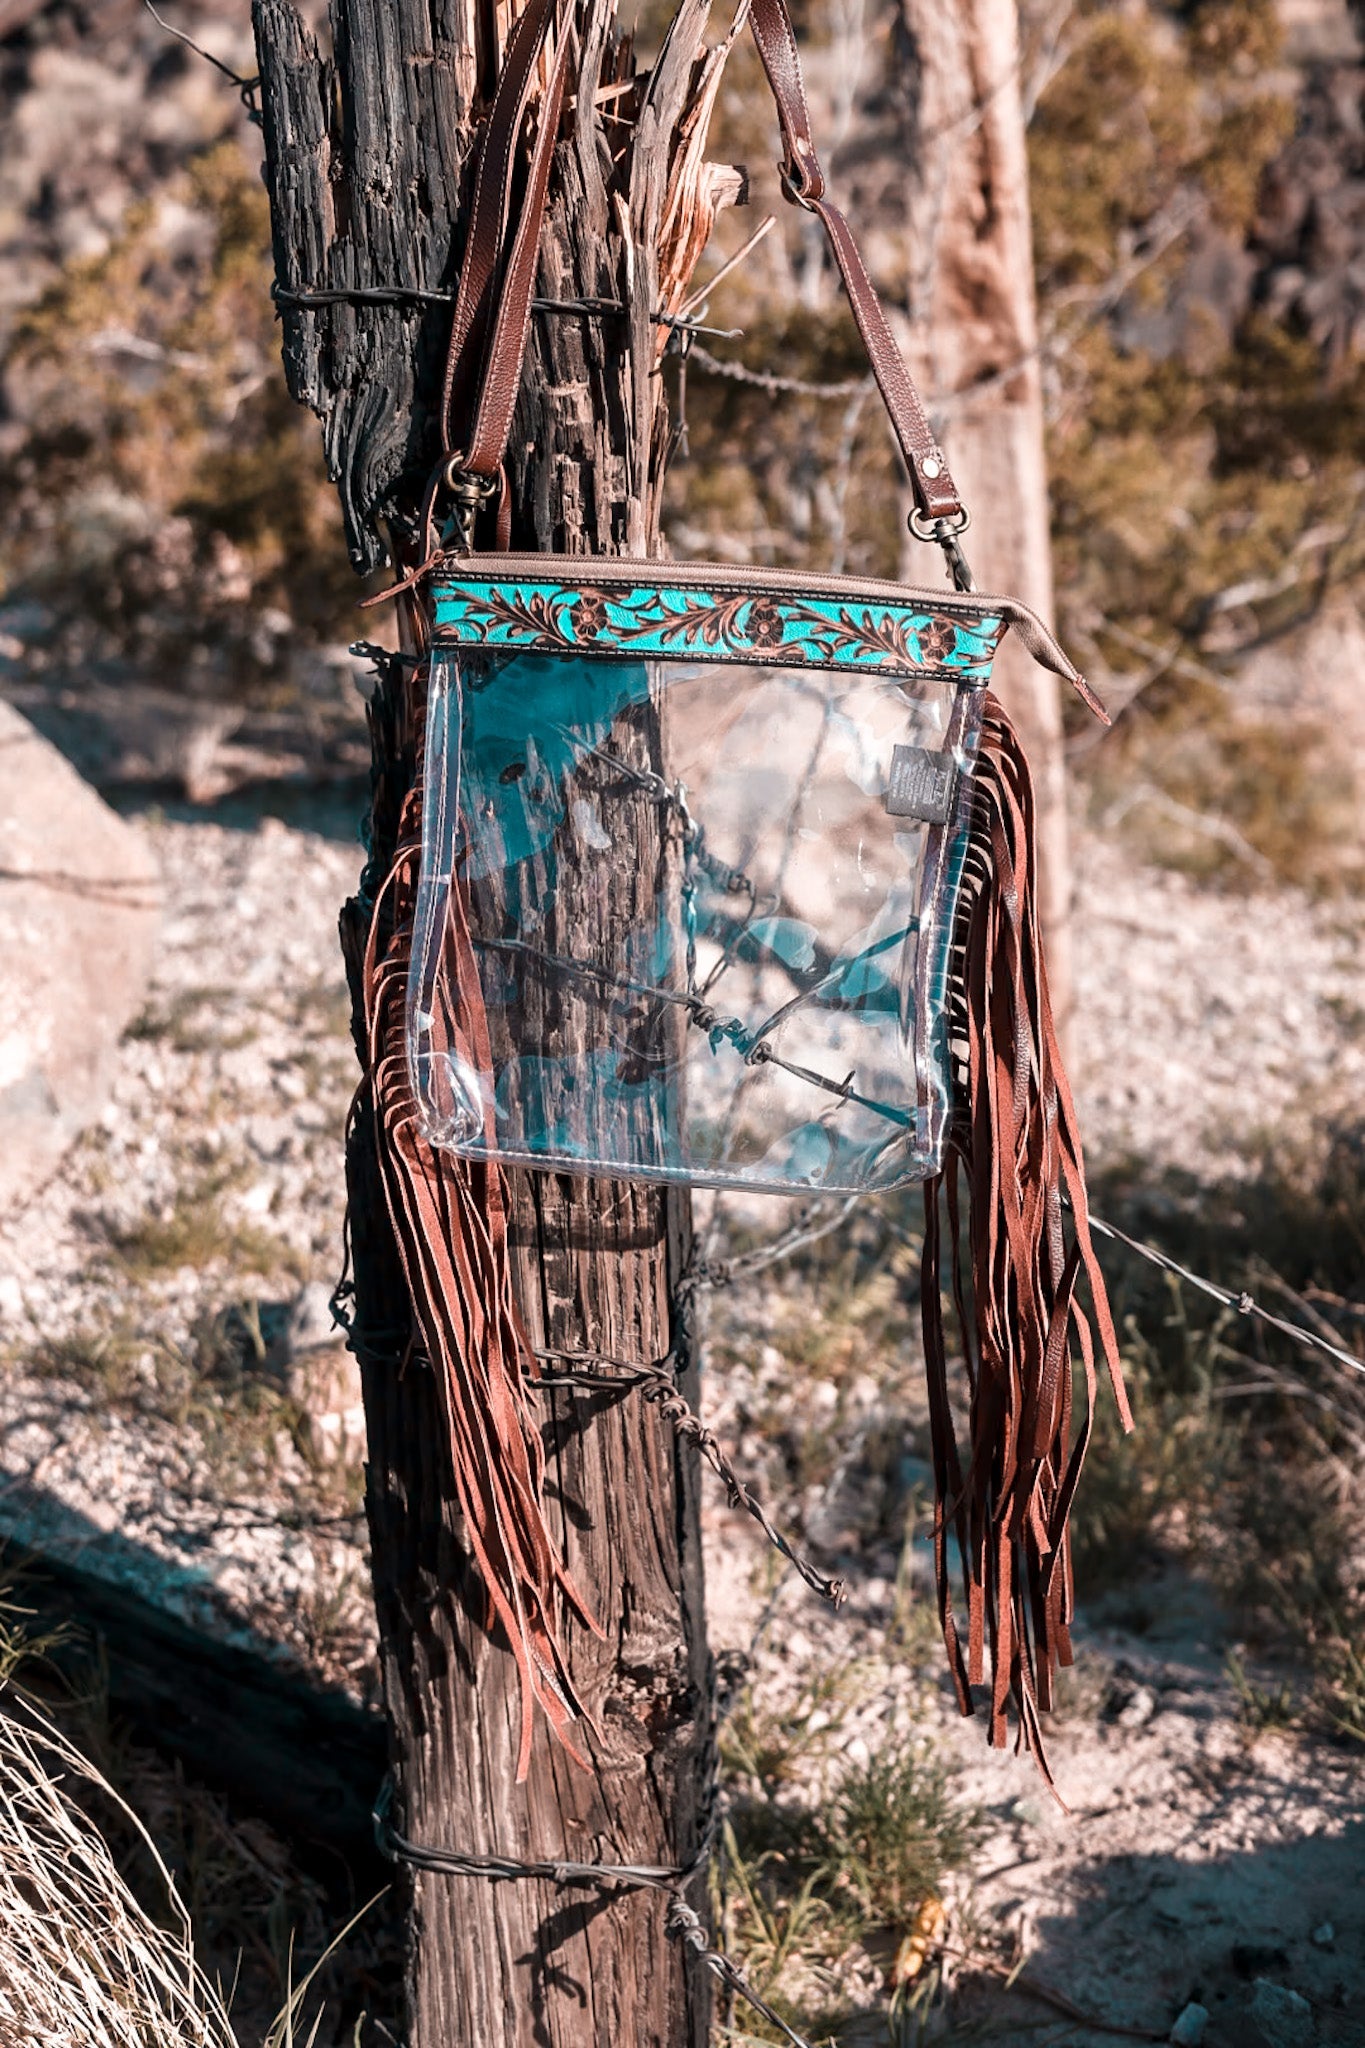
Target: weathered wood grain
column 367, row 152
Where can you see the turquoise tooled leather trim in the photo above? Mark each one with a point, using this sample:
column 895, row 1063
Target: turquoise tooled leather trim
column 713, row 623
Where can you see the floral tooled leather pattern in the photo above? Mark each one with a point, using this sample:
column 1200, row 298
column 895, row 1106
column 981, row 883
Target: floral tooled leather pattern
column 589, row 616
column 936, row 640
column 817, row 629
column 766, row 625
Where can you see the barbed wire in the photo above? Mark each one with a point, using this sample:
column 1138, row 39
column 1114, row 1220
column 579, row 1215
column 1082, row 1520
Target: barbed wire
column 1243, row 1302
column 682, row 1920
column 441, row 1860
column 247, row 88
column 766, row 380
column 804, row 1231
column 595, row 1371
column 724, row 1272
column 659, row 1387
column 687, row 1925
column 944, row 403
column 590, row 1372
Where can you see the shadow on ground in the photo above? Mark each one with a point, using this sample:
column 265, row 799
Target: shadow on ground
column 1270, row 1940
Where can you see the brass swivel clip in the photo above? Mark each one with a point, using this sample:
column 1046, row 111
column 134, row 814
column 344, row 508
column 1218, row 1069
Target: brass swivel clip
column 944, row 532
column 468, row 492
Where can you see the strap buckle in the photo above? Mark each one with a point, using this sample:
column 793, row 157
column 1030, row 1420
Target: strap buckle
column 944, row 533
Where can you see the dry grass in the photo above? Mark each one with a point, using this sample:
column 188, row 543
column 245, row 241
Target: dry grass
column 218, row 1384
column 1243, row 1477
column 824, row 1928
column 115, row 1855
column 81, row 1961
column 198, row 1230
column 218, row 515
column 192, row 1021
column 1246, row 1465
column 834, row 1867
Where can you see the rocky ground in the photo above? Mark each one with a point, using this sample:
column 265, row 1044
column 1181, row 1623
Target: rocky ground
column 171, row 1361
column 174, row 1403
column 176, row 1411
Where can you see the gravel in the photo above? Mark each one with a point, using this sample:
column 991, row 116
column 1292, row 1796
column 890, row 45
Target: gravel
column 1202, row 1019
column 1204, row 1022
column 226, row 1123
column 1210, row 1023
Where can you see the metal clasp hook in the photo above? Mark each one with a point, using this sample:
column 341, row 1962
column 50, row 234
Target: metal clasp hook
column 944, row 532
column 469, row 492
column 802, row 180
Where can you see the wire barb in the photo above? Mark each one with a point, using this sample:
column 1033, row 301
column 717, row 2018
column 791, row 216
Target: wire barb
column 1243, row 1302
column 687, row 1925
column 660, row 1389
column 683, row 1921
column 766, row 380
column 246, row 87
column 443, row 1861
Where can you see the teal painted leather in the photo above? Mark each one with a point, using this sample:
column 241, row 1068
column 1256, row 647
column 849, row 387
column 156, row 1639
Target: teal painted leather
column 555, row 615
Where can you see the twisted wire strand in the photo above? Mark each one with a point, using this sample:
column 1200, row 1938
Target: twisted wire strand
column 688, row 1927
column 765, row 380
column 1245, row 1303
column 660, row 1389
column 683, row 1921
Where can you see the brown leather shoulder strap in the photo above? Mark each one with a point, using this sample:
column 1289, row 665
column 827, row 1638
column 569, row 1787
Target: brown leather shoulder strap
column 803, row 182
column 507, row 347
column 492, row 367
column 488, row 339
column 489, row 211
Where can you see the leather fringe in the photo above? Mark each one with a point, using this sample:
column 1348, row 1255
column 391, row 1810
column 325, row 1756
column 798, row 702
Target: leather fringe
column 1004, row 1492
column 449, row 1217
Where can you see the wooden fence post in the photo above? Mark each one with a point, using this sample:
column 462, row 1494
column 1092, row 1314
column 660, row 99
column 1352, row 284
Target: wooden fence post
column 367, row 154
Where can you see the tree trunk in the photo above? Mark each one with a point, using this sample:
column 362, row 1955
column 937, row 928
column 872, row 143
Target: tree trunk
column 366, row 158
column 976, row 333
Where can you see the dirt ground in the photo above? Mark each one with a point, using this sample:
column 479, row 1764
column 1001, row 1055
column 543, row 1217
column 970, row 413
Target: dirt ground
column 1194, row 1865
column 1199, row 1863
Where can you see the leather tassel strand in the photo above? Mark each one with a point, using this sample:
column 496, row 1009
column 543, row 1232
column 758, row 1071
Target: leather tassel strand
column 449, row 1216
column 1004, row 1488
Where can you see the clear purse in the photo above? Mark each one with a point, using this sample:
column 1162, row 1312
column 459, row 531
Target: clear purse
column 725, row 877
column 771, row 777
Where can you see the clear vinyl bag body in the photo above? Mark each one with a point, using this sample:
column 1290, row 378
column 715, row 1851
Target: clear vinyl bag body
column 685, row 912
